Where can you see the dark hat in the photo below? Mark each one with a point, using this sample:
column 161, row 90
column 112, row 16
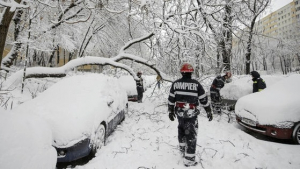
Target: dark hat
column 255, row 74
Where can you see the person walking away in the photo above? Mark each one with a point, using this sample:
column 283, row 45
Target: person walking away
column 140, row 87
column 258, row 83
column 217, row 84
column 158, row 79
column 184, row 97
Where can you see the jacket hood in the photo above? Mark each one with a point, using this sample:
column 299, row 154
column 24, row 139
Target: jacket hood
column 255, row 74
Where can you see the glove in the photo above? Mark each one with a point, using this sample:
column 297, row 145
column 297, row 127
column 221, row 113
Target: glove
column 172, row 116
column 209, row 114
column 171, row 113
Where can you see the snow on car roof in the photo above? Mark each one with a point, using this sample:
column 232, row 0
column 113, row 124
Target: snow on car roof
column 128, row 83
column 276, row 104
column 75, row 105
column 242, row 85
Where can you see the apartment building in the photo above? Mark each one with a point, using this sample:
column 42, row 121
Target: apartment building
column 283, row 23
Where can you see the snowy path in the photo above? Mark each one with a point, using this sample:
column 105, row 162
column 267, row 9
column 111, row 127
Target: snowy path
column 148, row 139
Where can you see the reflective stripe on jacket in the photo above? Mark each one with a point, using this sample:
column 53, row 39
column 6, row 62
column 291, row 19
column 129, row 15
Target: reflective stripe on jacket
column 187, row 90
column 258, row 85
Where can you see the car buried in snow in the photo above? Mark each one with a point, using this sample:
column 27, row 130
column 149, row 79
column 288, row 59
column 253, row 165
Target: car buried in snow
column 129, row 84
column 82, row 111
column 274, row 112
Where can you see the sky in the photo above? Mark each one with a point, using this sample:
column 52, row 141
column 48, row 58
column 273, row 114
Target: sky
column 146, row 138
column 276, row 4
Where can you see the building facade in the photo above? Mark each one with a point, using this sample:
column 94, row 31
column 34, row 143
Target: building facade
column 283, row 23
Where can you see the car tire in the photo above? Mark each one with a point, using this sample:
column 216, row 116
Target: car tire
column 98, row 140
column 296, row 134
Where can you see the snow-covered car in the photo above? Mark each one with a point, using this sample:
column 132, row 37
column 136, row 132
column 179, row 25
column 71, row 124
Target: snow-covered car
column 274, row 111
column 25, row 142
column 241, row 86
column 82, row 112
column 129, row 84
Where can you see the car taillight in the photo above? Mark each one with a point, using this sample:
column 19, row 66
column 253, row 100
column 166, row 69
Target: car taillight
column 61, row 153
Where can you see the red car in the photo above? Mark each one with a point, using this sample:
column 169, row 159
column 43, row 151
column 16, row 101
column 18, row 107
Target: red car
column 274, row 112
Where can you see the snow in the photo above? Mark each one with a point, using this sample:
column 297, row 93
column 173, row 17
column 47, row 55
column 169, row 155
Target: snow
column 243, row 85
column 25, row 142
column 147, row 138
column 128, row 84
column 276, row 104
column 75, row 106
column 16, row 78
column 13, row 5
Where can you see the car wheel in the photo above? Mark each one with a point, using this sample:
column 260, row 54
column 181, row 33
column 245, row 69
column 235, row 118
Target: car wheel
column 296, row 134
column 99, row 139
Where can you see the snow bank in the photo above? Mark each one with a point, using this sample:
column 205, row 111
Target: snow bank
column 25, row 142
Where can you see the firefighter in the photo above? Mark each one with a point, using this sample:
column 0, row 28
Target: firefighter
column 184, row 97
column 217, row 84
column 140, row 87
column 258, row 83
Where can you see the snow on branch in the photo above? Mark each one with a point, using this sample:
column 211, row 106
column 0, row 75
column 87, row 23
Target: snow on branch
column 113, row 11
column 134, row 41
column 47, row 4
column 80, row 20
column 40, row 72
column 12, row 5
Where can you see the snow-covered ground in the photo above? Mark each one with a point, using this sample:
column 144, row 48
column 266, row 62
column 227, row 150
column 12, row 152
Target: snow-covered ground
column 148, row 139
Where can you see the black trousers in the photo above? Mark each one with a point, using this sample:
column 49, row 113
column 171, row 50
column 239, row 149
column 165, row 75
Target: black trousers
column 187, row 133
column 216, row 101
column 140, row 91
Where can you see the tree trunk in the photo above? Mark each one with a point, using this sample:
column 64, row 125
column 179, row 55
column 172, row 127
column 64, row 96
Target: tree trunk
column 4, row 26
column 17, row 45
column 298, row 56
column 57, row 56
column 281, row 64
column 265, row 63
column 26, row 56
column 51, row 57
column 227, row 33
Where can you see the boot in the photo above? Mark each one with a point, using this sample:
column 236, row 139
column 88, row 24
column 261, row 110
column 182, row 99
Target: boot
column 192, row 164
column 189, row 161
